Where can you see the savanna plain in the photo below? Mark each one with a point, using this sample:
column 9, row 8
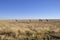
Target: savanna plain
column 31, row 29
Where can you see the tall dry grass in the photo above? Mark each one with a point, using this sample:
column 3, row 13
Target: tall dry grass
column 30, row 29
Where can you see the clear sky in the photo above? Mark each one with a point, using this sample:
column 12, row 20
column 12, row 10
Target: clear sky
column 29, row 9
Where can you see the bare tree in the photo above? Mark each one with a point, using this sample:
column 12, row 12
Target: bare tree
column 16, row 20
column 40, row 20
column 46, row 19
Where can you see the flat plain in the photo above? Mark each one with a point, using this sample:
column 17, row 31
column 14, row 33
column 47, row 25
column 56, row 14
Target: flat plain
column 31, row 29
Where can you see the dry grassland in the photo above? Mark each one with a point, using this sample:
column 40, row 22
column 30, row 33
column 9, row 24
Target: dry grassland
column 30, row 29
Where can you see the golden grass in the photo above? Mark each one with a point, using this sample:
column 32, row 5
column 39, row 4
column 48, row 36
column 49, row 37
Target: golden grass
column 29, row 29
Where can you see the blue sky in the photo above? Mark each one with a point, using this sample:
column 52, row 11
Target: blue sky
column 29, row 9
